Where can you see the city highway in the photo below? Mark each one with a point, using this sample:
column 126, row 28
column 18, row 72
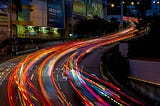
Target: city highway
column 65, row 75
column 5, row 70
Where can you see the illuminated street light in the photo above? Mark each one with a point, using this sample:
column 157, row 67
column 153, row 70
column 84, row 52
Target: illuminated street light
column 138, row 3
column 122, row 2
column 132, row 3
column 154, row 2
column 112, row 5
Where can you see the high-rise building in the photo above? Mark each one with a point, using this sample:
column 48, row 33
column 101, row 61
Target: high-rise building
column 44, row 18
column 141, row 7
column 155, row 8
column 114, row 9
column 4, row 26
column 31, row 18
column 155, row 4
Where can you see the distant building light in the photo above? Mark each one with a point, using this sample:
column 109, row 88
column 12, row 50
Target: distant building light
column 70, row 35
column 138, row 3
column 158, row 2
column 123, row 2
column 154, row 2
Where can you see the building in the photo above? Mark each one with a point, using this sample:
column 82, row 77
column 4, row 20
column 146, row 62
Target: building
column 115, row 10
column 88, row 7
column 141, row 7
column 43, row 18
column 50, row 18
column 144, row 70
column 4, row 28
column 32, row 18
column 155, row 8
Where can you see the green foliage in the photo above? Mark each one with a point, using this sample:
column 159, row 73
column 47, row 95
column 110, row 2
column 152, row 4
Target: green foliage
column 147, row 46
column 18, row 4
column 96, row 26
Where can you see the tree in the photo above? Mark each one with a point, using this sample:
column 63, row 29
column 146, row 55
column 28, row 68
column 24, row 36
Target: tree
column 18, row 5
column 96, row 26
column 114, row 24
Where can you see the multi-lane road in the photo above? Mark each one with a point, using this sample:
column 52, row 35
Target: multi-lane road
column 64, row 75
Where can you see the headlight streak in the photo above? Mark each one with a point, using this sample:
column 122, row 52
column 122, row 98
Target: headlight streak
column 117, row 89
column 76, row 74
column 104, row 43
column 77, row 77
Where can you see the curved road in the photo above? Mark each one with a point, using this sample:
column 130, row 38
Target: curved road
column 67, row 74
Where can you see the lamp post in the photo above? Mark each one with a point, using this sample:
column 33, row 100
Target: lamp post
column 122, row 2
column 86, row 5
column 10, row 29
column 158, row 3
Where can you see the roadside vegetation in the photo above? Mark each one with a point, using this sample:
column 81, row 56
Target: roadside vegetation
column 96, row 26
column 147, row 45
column 115, row 66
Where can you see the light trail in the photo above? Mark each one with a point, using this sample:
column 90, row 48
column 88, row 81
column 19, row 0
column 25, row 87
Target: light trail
column 101, row 91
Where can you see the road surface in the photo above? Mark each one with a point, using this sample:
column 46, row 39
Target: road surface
column 64, row 75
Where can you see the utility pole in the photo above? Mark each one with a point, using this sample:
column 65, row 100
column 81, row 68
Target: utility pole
column 121, row 14
column 86, row 1
column 104, row 8
column 10, row 17
column 10, row 30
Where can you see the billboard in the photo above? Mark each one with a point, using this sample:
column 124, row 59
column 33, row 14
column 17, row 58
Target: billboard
column 88, row 7
column 94, row 7
column 55, row 13
column 79, row 6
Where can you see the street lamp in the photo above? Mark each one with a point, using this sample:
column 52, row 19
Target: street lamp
column 112, row 5
column 132, row 3
column 122, row 2
column 158, row 3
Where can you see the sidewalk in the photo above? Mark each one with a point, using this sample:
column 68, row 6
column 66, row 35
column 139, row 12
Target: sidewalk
column 10, row 49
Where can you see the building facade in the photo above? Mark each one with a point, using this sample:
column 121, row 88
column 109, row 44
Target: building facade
column 155, row 8
column 4, row 22
column 42, row 19
column 45, row 18
column 31, row 18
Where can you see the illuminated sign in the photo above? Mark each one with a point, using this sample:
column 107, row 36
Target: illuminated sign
column 55, row 12
column 95, row 7
column 79, row 6
column 113, row 7
column 88, row 7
